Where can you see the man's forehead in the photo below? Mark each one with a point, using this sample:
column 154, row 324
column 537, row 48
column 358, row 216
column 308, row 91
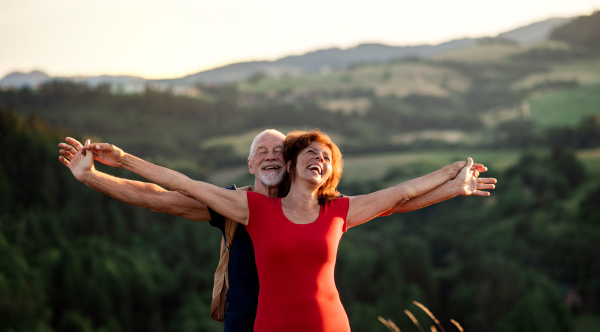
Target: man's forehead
column 270, row 140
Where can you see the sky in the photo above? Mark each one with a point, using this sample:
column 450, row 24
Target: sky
column 174, row 38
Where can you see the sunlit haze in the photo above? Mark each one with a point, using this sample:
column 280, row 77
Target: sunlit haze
column 168, row 39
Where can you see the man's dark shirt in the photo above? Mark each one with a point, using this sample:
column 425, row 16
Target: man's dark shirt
column 242, row 295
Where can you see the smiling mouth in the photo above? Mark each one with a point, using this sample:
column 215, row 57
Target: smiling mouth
column 272, row 167
column 316, row 169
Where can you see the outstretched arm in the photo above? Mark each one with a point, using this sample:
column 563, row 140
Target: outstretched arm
column 229, row 203
column 136, row 193
column 465, row 184
column 364, row 208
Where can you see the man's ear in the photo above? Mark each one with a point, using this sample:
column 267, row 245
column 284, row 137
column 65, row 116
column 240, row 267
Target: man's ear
column 288, row 164
column 250, row 167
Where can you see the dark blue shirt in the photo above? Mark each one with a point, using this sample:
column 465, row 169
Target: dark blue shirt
column 242, row 295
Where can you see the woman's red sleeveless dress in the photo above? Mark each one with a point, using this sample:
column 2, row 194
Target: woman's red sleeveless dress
column 295, row 265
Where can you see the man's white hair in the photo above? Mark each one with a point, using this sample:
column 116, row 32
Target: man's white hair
column 266, row 131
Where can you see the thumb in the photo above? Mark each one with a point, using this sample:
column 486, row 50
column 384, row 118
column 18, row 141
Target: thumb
column 469, row 163
column 85, row 147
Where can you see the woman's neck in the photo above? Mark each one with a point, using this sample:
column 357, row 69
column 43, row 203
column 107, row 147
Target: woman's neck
column 301, row 206
column 302, row 196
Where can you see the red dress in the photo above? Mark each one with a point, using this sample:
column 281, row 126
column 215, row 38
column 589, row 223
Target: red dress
column 295, row 265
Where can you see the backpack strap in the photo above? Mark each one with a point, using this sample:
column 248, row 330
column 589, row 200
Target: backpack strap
column 221, row 285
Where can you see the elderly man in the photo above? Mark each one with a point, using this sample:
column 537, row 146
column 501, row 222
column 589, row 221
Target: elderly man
column 266, row 163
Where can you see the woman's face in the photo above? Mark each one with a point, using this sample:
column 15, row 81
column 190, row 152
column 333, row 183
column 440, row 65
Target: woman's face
column 314, row 163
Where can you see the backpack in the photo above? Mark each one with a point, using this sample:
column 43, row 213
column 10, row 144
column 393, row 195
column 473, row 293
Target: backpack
column 217, row 307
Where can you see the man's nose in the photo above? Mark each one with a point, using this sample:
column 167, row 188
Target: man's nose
column 270, row 156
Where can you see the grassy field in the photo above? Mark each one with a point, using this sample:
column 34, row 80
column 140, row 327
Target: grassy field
column 401, row 79
column 374, row 166
column 494, row 52
column 567, row 107
column 584, row 72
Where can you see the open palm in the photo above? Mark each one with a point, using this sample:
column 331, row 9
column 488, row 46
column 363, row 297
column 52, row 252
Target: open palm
column 469, row 183
column 78, row 163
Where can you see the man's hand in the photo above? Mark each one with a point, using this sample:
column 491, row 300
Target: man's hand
column 106, row 153
column 468, row 182
column 458, row 166
column 110, row 155
column 79, row 163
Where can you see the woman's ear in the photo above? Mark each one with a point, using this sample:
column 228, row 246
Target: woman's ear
column 288, row 165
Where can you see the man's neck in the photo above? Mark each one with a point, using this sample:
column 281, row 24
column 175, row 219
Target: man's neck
column 267, row 191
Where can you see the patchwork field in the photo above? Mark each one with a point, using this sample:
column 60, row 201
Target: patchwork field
column 567, row 107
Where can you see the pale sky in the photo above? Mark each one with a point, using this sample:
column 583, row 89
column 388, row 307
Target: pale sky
column 174, row 38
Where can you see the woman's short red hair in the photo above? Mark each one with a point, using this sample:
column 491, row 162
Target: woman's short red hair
column 295, row 142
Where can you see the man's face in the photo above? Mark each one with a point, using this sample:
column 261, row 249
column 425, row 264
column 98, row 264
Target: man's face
column 267, row 162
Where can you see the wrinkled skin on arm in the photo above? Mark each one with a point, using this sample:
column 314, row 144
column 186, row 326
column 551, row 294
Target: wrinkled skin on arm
column 136, row 193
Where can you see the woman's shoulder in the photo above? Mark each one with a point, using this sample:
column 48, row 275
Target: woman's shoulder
column 338, row 203
column 257, row 198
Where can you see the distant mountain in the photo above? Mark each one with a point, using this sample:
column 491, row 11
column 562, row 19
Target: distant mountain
column 535, row 32
column 18, row 79
column 107, row 79
column 582, row 32
column 328, row 59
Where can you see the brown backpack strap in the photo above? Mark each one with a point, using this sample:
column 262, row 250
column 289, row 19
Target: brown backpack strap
column 231, row 226
column 217, row 307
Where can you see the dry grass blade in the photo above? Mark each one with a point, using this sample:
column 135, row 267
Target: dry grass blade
column 389, row 324
column 414, row 320
column 437, row 322
column 433, row 329
column 457, row 325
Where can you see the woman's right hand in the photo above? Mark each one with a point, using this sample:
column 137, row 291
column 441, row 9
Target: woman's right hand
column 469, row 183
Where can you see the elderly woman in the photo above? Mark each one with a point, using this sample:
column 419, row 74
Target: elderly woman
column 296, row 237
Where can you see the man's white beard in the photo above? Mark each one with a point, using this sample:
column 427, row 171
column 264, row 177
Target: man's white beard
column 271, row 178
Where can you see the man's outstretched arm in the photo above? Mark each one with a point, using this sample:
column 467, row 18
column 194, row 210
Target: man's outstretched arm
column 229, row 203
column 136, row 193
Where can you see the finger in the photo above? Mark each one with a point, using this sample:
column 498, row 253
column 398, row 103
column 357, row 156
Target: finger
column 481, row 193
column 486, row 186
column 487, row 180
column 90, row 156
column 71, row 149
column 64, row 161
column 74, row 143
column 99, row 147
column 469, row 163
column 479, row 167
column 86, row 147
column 67, row 147
column 66, row 154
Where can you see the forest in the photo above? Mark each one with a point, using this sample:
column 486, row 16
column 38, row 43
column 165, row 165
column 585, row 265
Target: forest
column 525, row 259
